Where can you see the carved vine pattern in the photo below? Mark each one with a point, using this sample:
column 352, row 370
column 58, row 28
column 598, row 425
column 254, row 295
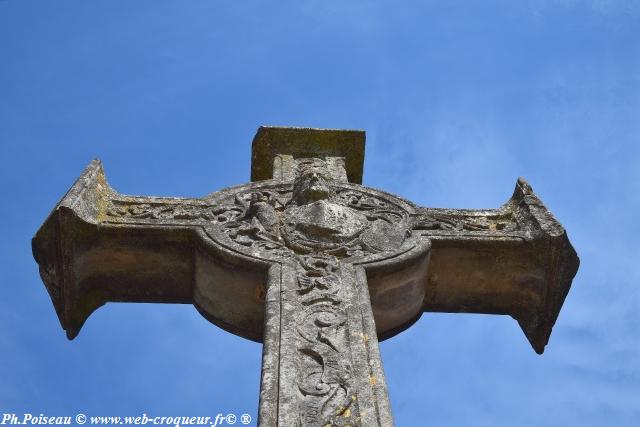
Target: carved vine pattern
column 124, row 209
column 233, row 215
column 256, row 221
column 434, row 221
column 373, row 207
column 328, row 398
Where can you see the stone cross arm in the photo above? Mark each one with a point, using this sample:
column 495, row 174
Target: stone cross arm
column 98, row 246
column 311, row 263
column 515, row 260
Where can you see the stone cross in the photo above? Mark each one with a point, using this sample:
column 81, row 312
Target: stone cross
column 311, row 263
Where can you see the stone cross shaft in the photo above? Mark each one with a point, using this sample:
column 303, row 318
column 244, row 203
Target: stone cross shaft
column 311, row 263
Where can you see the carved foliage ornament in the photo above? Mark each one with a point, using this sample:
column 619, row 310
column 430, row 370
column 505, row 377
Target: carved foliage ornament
column 324, row 374
column 317, row 218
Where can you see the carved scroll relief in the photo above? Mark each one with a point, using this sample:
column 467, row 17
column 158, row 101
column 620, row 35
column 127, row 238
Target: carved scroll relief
column 328, row 396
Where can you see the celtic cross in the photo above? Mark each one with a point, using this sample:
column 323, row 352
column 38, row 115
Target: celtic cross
column 311, row 263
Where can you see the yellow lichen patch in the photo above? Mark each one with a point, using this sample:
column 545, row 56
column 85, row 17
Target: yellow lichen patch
column 373, row 380
column 102, row 205
column 365, row 337
column 102, row 200
column 347, row 413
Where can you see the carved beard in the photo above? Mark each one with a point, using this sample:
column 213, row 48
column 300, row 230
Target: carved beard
column 316, row 192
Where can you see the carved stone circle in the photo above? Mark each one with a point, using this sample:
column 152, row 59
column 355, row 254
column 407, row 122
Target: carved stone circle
column 272, row 221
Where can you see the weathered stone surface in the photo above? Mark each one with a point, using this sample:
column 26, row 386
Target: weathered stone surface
column 276, row 149
column 318, row 267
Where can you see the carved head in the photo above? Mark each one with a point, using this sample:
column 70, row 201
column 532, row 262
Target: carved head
column 310, row 186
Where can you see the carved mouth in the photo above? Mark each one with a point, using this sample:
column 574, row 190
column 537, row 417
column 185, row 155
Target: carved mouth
column 316, row 189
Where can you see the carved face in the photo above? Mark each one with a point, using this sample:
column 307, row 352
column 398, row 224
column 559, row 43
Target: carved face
column 310, row 187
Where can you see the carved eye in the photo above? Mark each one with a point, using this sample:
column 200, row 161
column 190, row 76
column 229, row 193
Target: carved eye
column 222, row 218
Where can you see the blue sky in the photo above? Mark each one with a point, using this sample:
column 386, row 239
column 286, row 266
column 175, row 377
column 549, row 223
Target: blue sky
column 458, row 99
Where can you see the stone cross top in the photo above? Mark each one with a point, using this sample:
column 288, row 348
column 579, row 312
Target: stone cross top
column 309, row 262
